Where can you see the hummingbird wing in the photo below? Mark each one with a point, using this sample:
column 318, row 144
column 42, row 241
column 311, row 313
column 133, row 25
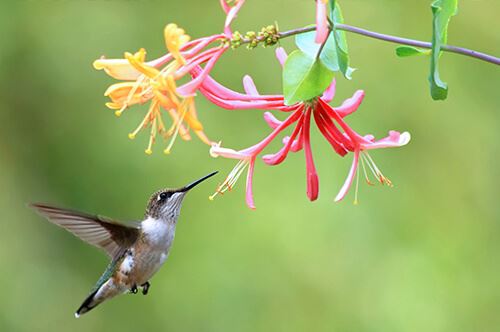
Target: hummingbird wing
column 102, row 232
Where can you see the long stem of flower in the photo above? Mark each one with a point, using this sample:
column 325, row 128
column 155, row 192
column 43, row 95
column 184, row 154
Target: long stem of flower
column 398, row 40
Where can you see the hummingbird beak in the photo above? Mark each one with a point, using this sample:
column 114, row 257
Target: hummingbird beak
column 195, row 183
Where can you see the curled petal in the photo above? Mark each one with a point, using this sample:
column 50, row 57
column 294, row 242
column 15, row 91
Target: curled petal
column 119, row 69
column 281, row 55
column 296, row 144
column 321, row 22
column 351, row 134
column 217, row 151
column 175, row 38
column 231, row 12
column 271, row 120
column 395, row 139
column 329, row 92
column 350, row 105
column 348, row 182
column 225, row 6
column 137, row 61
column 249, row 86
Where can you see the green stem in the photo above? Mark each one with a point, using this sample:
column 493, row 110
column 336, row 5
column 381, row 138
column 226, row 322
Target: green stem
column 393, row 39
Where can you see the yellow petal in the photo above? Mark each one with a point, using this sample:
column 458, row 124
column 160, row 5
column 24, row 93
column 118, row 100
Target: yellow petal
column 165, row 102
column 193, row 122
column 201, row 135
column 175, row 37
column 129, row 92
column 114, row 106
column 137, row 61
column 119, row 69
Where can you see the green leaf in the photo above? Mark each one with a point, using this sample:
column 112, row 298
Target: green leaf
column 340, row 40
column 304, row 77
column 442, row 11
column 305, row 42
column 404, row 51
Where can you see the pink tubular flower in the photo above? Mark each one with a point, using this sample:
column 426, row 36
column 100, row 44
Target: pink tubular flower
column 329, row 120
column 321, row 21
column 156, row 81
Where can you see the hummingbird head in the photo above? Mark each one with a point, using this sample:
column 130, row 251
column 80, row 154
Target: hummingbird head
column 166, row 203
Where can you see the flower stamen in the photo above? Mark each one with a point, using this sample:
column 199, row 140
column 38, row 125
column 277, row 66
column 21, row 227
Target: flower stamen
column 177, row 125
column 364, row 170
column 131, row 94
column 376, row 171
column 231, row 179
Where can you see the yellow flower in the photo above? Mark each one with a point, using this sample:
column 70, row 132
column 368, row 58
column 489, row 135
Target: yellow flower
column 144, row 82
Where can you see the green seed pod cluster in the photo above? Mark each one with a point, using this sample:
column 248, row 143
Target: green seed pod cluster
column 269, row 35
column 236, row 40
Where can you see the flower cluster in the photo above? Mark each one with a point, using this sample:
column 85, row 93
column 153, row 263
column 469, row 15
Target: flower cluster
column 157, row 82
column 329, row 120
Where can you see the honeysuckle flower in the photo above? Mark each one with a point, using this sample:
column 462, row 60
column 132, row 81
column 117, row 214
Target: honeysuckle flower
column 321, row 21
column 156, row 81
column 328, row 120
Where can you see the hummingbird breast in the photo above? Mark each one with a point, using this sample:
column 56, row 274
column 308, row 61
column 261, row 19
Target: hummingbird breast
column 148, row 254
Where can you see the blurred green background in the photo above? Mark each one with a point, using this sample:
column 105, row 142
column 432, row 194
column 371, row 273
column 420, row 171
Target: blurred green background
column 422, row 256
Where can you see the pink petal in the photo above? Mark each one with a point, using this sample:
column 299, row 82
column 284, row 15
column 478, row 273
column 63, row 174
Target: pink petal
column 225, row 6
column 312, row 176
column 395, row 139
column 217, row 151
column 212, row 86
column 271, row 120
column 197, row 45
column 354, row 136
column 257, row 148
column 280, row 156
column 296, row 144
column 330, row 136
column 348, row 182
column 350, row 105
column 281, row 55
column 329, row 92
column 197, row 61
column 330, row 127
column 231, row 104
column 369, row 137
column 189, row 88
column 321, row 22
column 231, row 14
column 249, row 191
column 249, row 86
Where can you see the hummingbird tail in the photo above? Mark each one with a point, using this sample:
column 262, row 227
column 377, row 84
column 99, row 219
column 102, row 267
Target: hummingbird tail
column 87, row 305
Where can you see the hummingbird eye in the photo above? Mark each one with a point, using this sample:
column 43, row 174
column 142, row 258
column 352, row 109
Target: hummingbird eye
column 163, row 196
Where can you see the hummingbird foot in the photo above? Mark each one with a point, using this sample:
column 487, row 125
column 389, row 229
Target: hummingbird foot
column 145, row 288
column 133, row 290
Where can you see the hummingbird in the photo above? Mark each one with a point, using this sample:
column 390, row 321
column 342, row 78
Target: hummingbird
column 137, row 251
